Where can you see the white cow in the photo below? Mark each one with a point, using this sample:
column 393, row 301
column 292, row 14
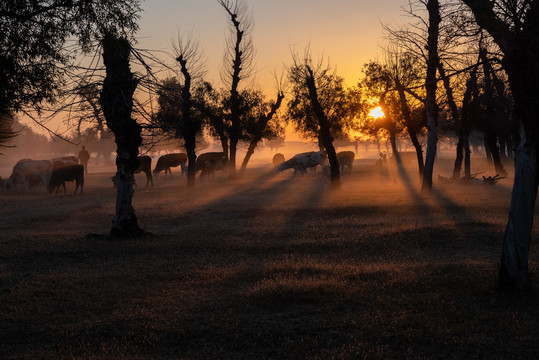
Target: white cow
column 29, row 173
column 301, row 162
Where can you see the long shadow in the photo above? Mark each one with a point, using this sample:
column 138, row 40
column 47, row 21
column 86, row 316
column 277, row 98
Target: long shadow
column 253, row 188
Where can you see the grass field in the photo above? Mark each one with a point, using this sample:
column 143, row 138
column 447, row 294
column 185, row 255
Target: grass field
column 269, row 267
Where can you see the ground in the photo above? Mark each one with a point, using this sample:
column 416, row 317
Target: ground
column 266, row 267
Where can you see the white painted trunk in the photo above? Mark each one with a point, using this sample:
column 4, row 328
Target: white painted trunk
column 125, row 220
column 516, row 240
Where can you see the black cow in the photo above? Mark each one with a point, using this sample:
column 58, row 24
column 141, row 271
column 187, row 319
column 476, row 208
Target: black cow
column 66, row 173
column 145, row 166
column 165, row 162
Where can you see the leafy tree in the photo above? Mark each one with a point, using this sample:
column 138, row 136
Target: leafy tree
column 260, row 126
column 319, row 106
column 339, row 103
column 378, row 84
column 34, row 56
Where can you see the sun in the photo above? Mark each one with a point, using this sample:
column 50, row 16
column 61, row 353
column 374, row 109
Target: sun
column 377, row 113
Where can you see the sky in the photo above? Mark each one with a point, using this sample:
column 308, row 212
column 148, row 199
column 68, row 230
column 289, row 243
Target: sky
column 347, row 33
column 344, row 33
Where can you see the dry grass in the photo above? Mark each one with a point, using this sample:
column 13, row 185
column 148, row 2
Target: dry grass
column 270, row 267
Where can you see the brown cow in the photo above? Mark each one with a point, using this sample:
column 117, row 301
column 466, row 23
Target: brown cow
column 165, row 162
column 145, row 166
column 346, row 158
column 277, row 160
column 208, row 163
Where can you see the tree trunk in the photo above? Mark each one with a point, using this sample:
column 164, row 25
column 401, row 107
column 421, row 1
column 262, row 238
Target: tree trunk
column 117, row 104
column 232, row 157
column 224, row 143
column 250, row 152
column 467, row 152
column 325, row 133
column 190, row 149
column 393, row 141
column 433, row 8
column 516, row 241
column 460, row 157
column 495, row 153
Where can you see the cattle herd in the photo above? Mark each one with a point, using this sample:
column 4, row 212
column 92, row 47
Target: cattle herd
column 51, row 175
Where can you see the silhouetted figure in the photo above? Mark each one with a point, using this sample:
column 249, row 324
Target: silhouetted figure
column 84, row 156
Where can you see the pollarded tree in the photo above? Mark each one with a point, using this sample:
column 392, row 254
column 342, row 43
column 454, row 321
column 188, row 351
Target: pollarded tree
column 238, row 61
column 117, row 104
column 515, row 29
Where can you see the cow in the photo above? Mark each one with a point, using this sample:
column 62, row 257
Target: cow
column 165, row 162
column 346, row 158
column 29, row 173
column 145, row 166
column 209, row 162
column 277, row 160
column 301, row 162
column 66, row 173
column 66, row 160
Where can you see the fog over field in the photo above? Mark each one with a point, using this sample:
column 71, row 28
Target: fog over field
column 267, row 266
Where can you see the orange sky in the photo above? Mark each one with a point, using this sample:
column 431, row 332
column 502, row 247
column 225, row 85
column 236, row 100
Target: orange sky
column 348, row 33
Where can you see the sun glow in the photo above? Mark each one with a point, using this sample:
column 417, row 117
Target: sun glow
column 377, row 113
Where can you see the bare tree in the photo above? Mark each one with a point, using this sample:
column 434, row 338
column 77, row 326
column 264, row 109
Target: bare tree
column 514, row 27
column 238, row 63
column 431, row 107
column 117, row 103
column 188, row 55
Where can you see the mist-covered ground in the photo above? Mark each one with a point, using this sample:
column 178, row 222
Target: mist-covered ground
column 268, row 266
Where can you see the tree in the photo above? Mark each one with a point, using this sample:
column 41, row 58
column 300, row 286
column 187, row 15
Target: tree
column 515, row 29
column 319, row 106
column 431, row 107
column 177, row 107
column 378, row 83
column 34, row 57
column 117, row 103
column 468, row 114
column 238, row 60
column 209, row 104
column 259, row 127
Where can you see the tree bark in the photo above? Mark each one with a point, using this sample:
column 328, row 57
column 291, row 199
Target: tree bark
column 117, row 104
column 433, row 8
column 250, row 151
column 516, row 241
column 189, row 127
